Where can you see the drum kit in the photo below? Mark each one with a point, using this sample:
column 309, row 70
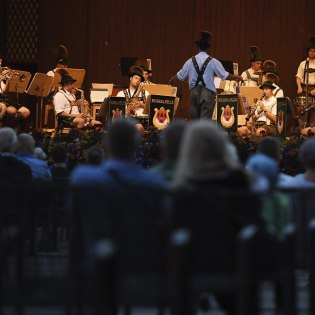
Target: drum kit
column 305, row 113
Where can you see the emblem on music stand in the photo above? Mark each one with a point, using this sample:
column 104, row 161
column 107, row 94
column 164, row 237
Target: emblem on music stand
column 227, row 116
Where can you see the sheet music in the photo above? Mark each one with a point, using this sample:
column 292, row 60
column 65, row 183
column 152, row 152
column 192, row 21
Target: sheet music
column 98, row 95
column 217, row 82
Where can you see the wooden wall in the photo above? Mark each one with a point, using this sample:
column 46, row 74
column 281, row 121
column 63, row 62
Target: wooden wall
column 99, row 32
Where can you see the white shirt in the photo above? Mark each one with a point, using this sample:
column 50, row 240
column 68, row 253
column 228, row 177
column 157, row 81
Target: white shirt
column 3, row 87
column 300, row 72
column 271, row 107
column 247, row 80
column 278, row 91
column 138, row 111
column 62, row 103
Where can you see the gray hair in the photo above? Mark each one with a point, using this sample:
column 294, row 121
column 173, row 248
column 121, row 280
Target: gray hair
column 8, row 139
column 26, row 143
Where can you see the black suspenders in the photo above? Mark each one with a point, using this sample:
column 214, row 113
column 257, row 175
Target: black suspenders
column 202, row 71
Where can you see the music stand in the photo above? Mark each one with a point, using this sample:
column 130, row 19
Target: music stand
column 40, row 87
column 18, row 83
column 77, row 74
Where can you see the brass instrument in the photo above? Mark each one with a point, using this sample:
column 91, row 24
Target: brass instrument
column 253, row 110
column 133, row 102
column 7, row 73
column 84, row 107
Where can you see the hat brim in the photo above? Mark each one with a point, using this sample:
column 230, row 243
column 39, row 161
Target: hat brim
column 271, row 87
column 139, row 75
column 67, row 81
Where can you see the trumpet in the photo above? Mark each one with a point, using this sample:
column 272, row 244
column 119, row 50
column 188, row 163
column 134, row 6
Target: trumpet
column 7, row 73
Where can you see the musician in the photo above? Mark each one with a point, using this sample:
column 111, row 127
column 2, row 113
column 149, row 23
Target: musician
column 252, row 76
column 274, row 79
column 307, row 67
column 264, row 114
column 67, row 106
column 200, row 71
column 134, row 94
column 62, row 60
column 2, row 82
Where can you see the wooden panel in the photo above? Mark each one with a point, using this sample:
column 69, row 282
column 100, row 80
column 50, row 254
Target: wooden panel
column 98, row 33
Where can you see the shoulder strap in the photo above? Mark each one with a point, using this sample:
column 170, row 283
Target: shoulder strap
column 202, row 71
column 248, row 75
column 278, row 89
column 126, row 95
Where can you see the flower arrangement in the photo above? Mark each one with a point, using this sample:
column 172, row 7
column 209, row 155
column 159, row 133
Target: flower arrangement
column 148, row 153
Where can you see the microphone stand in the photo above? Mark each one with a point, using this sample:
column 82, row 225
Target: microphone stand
column 307, row 65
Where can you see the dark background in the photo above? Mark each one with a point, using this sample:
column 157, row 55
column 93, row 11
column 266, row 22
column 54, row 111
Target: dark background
column 98, row 33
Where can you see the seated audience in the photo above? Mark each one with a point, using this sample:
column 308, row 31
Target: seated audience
column 11, row 168
column 25, row 152
column 122, row 141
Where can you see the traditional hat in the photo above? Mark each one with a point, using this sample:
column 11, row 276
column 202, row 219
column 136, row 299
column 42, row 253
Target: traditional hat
column 255, row 54
column 143, row 63
column 311, row 43
column 66, row 78
column 267, row 84
column 136, row 70
column 62, row 55
column 269, row 66
column 272, row 77
column 204, row 42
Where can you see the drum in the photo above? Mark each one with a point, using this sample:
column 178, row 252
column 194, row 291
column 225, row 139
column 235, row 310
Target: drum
column 306, row 117
column 300, row 101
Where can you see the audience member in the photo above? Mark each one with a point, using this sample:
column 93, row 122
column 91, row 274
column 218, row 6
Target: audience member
column 276, row 209
column 11, row 168
column 59, row 171
column 122, row 141
column 307, row 160
column 39, row 153
column 95, row 155
column 270, row 146
column 170, row 141
column 206, row 158
column 25, row 152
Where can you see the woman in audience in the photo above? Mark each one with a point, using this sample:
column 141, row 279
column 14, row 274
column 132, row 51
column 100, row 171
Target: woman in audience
column 207, row 157
column 211, row 198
